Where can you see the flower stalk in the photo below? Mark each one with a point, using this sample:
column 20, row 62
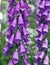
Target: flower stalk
column 17, row 34
column 43, row 20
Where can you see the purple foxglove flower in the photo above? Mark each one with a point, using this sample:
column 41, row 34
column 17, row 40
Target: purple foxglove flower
column 11, row 13
column 46, row 60
column 36, row 56
column 40, row 27
column 10, row 62
column 27, row 6
column 45, row 29
column 6, row 50
column 25, row 32
column 14, row 22
column 39, row 38
column 15, row 58
column 45, row 13
column 11, row 40
column 17, row 9
column 27, row 24
column 26, row 14
column 22, row 49
column 26, row 62
column 41, row 56
column 10, row 7
column 47, row 4
column 8, row 33
column 42, row 5
column 9, row 22
column 18, row 36
column 26, row 40
column 20, row 21
column 22, row 3
column 39, row 15
column 45, row 44
column 48, row 17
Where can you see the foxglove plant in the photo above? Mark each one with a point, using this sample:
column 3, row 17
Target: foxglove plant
column 17, row 34
column 43, row 20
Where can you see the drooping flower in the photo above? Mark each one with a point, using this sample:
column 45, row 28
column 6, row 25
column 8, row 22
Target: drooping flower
column 15, row 57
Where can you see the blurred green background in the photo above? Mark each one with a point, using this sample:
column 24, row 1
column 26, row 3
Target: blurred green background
column 32, row 19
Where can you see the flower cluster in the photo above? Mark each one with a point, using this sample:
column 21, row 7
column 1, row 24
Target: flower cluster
column 17, row 34
column 43, row 20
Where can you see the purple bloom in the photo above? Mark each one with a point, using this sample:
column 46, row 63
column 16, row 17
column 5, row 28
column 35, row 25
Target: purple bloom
column 46, row 60
column 45, row 45
column 17, row 9
column 40, row 27
column 22, row 49
column 18, row 36
column 22, row 4
column 6, row 50
column 20, row 21
column 26, row 62
column 10, row 62
column 14, row 23
column 11, row 13
column 26, row 14
column 15, row 58
column 11, row 40
column 25, row 32
column 45, row 29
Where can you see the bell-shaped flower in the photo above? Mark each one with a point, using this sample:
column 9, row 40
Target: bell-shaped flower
column 14, row 23
column 27, row 6
column 22, row 49
column 45, row 29
column 27, row 24
column 26, row 62
column 42, row 5
column 39, row 38
column 41, row 56
column 10, row 7
column 47, row 4
column 46, row 60
column 40, row 27
column 6, row 50
column 45, row 13
column 8, row 32
column 11, row 40
column 48, row 17
column 20, row 21
column 17, row 9
column 22, row 3
column 45, row 45
column 10, row 62
column 26, row 14
column 25, row 32
column 15, row 57
column 11, row 13
column 18, row 37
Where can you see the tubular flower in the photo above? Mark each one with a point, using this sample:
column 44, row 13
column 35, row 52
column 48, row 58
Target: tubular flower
column 17, row 34
column 43, row 20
